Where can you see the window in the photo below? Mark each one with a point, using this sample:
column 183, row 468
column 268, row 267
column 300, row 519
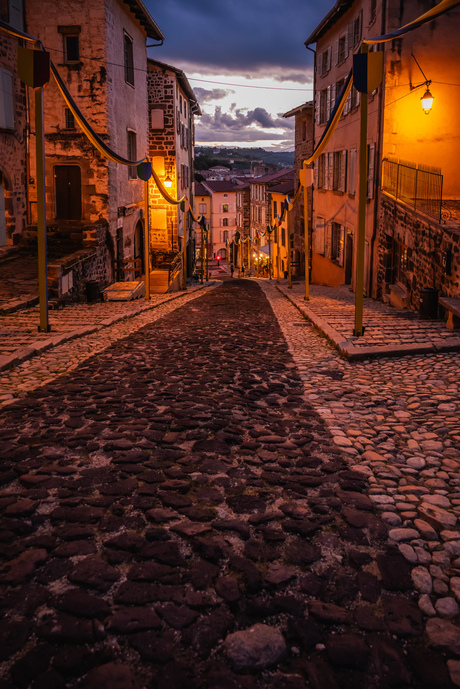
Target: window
column 225, row 208
column 202, row 208
column 303, row 130
column 6, row 100
column 225, row 236
column 341, row 48
column 225, row 222
column 324, row 62
column 399, row 261
column 15, row 13
column 259, row 214
column 323, row 106
column 337, row 243
column 355, row 30
column 69, row 119
column 283, row 236
column 129, row 59
column 275, row 208
column 71, row 42
column 132, row 154
column 322, row 176
column 373, row 12
column 339, row 171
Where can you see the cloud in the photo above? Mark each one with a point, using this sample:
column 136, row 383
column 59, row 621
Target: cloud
column 237, row 35
column 238, row 125
column 206, row 95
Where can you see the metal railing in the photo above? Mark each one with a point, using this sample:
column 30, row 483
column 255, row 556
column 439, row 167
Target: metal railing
column 418, row 186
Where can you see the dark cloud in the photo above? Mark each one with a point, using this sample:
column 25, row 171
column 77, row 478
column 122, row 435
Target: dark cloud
column 206, row 95
column 237, row 36
column 238, row 125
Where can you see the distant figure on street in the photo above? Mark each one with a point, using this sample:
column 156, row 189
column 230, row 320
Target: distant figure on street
column 232, row 268
column 242, row 271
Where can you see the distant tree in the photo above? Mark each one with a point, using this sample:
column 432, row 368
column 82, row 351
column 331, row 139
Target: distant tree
column 198, row 177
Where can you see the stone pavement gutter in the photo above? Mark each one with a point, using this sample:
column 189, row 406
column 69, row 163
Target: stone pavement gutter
column 31, row 345
column 388, row 331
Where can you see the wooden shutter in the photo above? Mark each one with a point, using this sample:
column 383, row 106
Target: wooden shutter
column 370, row 170
column 336, row 53
column 6, row 100
column 360, row 25
column 329, row 170
column 352, row 171
column 329, row 58
column 343, row 172
column 350, row 35
column 340, row 245
column 328, row 102
column 333, row 94
column 315, row 174
column 317, row 106
column 319, row 236
column 328, row 240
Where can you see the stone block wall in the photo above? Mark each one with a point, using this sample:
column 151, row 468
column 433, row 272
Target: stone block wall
column 433, row 252
column 13, row 162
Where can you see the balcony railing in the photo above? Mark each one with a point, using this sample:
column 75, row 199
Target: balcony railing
column 416, row 185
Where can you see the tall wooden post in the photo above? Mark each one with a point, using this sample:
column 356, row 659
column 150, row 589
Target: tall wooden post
column 278, row 262
column 306, row 242
column 147, row 243
column 289, row 249
column 362, row 193
column 44, row 326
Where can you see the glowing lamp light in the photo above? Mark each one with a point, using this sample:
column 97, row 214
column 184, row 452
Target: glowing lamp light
column 427, row 101
column 168, row 182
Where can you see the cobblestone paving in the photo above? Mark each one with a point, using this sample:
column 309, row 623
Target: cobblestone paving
column 384, row 326
column 18, row 280
column 190, row 509
column 19, row 329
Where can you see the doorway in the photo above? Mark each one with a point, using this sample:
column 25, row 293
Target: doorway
column 139, row 250
column 67, row 186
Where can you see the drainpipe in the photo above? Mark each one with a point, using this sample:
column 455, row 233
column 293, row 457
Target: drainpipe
column 378, row 152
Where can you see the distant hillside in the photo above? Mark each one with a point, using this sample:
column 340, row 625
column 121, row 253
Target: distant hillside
column 240, row 156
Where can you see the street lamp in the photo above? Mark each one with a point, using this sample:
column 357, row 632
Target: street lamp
column 168, row 182
column 427, row 101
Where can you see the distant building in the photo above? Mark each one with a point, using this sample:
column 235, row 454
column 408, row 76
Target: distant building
column 279, row 237
column 303, row 150
column 260, row 200
column 202, row 206
column 223, row 216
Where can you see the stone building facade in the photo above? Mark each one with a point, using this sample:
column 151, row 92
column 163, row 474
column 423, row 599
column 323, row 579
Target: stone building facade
column 223, row 216
column 243, row 215
column 413, row 192
column 303, row 150
column 260, row 200
column 14, row 164
column 172, row 106
column 84, row 190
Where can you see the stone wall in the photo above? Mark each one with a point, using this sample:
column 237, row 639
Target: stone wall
column 13, row 163
column 433, row 252
column 162, row 143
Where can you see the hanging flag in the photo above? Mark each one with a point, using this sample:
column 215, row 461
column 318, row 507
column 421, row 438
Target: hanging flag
column 33, row 67
column 367, row 71
column 144, row 171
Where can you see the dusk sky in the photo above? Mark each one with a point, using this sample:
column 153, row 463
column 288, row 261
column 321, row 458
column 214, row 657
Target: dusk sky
column 227, row 48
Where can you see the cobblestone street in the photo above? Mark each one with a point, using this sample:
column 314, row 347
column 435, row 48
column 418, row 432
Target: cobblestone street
column 206, row 495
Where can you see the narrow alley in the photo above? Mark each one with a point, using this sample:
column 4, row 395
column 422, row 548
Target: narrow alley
column 214, row 498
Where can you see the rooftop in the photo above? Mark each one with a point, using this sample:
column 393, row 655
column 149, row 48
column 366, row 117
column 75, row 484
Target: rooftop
column 340, row 7
column 218, row 185
column 281, row 175
column 200, row 189
column 142, row 14
column 300, row 108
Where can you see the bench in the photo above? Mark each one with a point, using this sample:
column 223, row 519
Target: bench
column 452, row 306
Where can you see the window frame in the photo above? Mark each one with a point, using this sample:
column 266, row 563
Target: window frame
column 132, row 152
column 128, row 58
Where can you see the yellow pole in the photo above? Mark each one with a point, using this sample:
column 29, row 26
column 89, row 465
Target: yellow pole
column 258, row 256
column 269, row 255
column 44, row 326
column 184, row 254
column 202, row 253
column 289, row 249
column 306, row 243
column 278, row 264
column 249, row 253
column 207, row 242
column 359, row 296
column 146, row 244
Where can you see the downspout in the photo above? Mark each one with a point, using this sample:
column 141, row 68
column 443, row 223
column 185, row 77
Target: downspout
column 314, row 125
column 378, row 158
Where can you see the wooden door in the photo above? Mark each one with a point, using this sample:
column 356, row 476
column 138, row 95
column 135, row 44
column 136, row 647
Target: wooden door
column 67, row 184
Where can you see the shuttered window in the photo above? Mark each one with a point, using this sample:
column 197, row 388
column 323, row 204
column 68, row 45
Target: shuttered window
column 6, row 100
